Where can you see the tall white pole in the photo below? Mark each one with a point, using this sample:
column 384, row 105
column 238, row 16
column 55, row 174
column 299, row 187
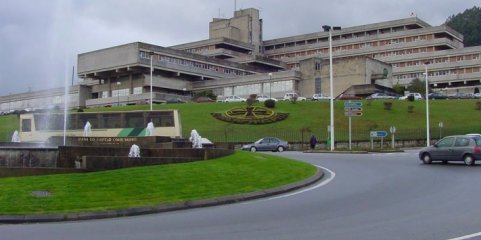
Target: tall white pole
column 270, row 85
column 151, row 70
column 331, row 89
column 427, row 105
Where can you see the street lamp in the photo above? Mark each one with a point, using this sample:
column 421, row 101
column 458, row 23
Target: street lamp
column 118, row 93
column 270, row 85
column 427, row 103
column 328, row 28
column 151, row 70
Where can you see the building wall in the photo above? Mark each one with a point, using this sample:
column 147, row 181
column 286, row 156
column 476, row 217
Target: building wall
column 113, row 57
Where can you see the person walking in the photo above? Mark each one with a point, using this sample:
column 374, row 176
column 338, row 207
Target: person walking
column 313, row 142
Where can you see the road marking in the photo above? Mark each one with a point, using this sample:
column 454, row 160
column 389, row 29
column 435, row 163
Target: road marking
column 311, row 188
column 467, row 236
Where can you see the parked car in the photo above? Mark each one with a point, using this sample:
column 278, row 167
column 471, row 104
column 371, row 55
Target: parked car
column 234, row 98
column 289, row 96
column 175, row 100
column 417, row 96
column 461, row 96
column 464, row 148
column 204, row 99
column 318, row 96
column 263, row 98
column 380, row 96
column 267, row 144
column 436, row 95
column 477, row 95
column 348, row 97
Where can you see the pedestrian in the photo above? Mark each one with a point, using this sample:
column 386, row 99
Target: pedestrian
column 313, row 142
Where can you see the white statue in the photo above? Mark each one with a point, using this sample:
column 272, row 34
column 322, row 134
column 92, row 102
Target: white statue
column 87, row 129
column 134, row 151
column 15, row 137
column 196, row 139
column 149, row 131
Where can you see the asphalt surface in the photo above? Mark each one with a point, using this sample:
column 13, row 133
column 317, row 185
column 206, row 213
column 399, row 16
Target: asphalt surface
column 367, row 196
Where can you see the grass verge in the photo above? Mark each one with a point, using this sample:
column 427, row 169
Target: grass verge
column 241, row 172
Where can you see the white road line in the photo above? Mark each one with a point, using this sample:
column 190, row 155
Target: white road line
column 311, row 188
column 467, row 236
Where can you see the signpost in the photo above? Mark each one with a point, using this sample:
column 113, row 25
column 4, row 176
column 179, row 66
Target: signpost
column 392, row 129
column 441, row 125
column 381, row 134
column 352, row 109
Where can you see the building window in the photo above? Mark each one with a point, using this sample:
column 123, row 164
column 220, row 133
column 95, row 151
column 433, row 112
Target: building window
column 318, row 66
column 317, row 85
column 137, row 90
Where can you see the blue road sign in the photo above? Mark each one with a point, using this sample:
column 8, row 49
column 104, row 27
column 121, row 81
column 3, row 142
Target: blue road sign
column 378, row 134
column 352, row 104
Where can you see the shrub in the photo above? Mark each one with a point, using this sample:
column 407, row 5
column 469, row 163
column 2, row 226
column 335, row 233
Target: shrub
column 410, row 109
column 411, row 98
column 478, row 105
column 251, row 100
column 269, row 103
column 387, row 105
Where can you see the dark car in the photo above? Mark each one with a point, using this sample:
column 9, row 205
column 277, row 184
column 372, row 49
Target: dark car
column 175, row 100
column 348, row 97
column 461, row 96
column 436, row 95
column 464, row 148
column 267, row 144
column 204, row 99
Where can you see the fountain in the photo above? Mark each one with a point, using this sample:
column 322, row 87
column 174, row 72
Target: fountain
column 134, row 151
column 15, row 137
column 196, row 139
column 87, row 129
column 149, row 131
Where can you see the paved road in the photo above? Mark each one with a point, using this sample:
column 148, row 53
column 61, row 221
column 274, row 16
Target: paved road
column 372, row 196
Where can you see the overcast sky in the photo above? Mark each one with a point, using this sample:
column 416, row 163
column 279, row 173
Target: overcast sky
column 40, row 40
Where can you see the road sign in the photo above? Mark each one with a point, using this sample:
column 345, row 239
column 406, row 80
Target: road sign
column 353, row 109
column 378, row 134
column 352, row 104
column 352, row 113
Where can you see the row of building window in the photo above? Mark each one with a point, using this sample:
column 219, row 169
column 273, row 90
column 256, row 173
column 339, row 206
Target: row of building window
column 194, row 64
column 45, row 102
column 440, row 73
column 259, row 88
column 120, row 92
column 353, row 35
column 363, row 45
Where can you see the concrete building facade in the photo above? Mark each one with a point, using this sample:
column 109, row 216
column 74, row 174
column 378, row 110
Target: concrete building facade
column 235, row 60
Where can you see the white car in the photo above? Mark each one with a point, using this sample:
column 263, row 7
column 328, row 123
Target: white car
column 234, row 98
column 318, row 96
column 289, row 96
column 263, row 98
column 417, row 96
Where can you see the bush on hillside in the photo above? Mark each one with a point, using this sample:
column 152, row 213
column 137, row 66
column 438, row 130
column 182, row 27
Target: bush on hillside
column 269, row 103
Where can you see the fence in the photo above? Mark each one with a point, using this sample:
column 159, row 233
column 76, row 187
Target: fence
column 341, row 135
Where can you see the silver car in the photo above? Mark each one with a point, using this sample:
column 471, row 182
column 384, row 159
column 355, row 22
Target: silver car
column 464, row 148
column 267, row 144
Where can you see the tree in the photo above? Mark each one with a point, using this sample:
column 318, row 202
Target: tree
column 417, row 85
column 206, row 93
column 397, row 88
column 468, row 23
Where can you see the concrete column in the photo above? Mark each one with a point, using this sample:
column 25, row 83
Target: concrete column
column 131, row 89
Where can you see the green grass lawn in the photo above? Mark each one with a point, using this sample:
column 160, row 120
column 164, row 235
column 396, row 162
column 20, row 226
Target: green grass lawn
column 458, row 116
column 146, row 186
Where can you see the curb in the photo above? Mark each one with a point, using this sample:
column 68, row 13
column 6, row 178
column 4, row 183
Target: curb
column 16, row 219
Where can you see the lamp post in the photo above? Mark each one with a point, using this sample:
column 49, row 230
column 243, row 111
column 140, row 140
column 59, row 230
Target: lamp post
column 328, row 28
column 427, row 103
column 270, row 85
column 118, row 93
column 151, row 70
